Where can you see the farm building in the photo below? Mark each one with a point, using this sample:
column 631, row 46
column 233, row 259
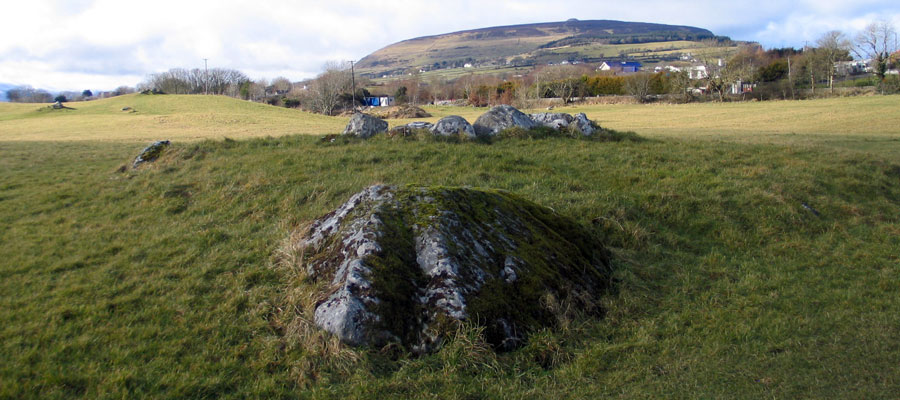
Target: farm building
column 379, row 101
column 626, row 67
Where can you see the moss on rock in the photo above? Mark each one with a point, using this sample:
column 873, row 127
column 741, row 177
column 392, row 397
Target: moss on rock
column 407, row 263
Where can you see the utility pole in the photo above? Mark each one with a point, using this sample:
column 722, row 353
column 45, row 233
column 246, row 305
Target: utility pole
column 206, row 76
column 790, row 77
column 353, row 83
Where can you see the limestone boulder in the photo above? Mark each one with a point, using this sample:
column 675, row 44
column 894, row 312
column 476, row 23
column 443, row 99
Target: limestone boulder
column 405, row 264
column 410, row 128
column 453, row 125
column 365, row 126
column 558, row 121
column 150, row 153
column 502, row 117
column 584, row 125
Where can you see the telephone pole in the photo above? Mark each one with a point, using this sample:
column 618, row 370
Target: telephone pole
column 206, row 76
column 353, row 83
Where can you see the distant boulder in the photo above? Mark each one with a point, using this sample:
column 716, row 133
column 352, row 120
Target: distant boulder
column 365, row 126
column 453, row 125
column 405, row 264
column 559, row 121
column 150, row 153
column 502, row 117
column 410, row 128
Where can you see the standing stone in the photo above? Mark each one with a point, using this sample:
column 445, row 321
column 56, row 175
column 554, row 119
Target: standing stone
column 502, row 117
column 365, row 126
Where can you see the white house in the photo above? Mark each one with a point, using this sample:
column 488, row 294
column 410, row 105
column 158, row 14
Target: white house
column 698, row 72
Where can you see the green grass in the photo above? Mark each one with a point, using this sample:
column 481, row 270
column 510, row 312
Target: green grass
column 163, row 283
column 155, row 117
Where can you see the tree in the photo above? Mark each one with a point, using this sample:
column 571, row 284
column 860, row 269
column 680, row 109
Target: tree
column 327, row 88
column 400, row 95
column 60, row 99
column 562, row 80
column 680, row 84
column 122, row 90
column 27, row 94
column 638, row 85
column 281, row 85
column 877, row 42
column 87, row 93
column 833, row 46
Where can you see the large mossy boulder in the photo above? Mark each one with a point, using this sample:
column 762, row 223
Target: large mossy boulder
column 500, row 118
column 365, row 126
column 406, row 264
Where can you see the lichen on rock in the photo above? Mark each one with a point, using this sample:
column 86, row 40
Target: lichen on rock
column 403, row 264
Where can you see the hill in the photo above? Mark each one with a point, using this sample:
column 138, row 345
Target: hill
column 531, row 43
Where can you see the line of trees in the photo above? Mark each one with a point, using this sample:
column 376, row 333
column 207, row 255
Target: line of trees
column 196, row 81
column 28, row 94
column 217, row 81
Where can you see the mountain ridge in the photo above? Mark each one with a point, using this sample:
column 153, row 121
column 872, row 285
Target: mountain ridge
column 529, row 42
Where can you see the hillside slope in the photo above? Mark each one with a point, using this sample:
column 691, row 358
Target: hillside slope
column 528, row 42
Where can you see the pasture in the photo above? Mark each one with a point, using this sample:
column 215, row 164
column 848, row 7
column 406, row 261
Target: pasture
column 755, row 248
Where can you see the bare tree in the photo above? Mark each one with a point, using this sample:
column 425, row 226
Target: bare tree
column 28, row 94
column 638, row 85
column 833, row 47
column 562, row 80
column 327, row 88
column 681, row 84
column 877, row 42
column 281, row 85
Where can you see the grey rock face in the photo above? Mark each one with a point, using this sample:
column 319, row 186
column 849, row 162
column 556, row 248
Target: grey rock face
column 553, row 120
column 365, row 126
column 453, row 125
column 150, row 153
column 562, row 121
column 402, row 264
column 502, row 117
column 583, row 124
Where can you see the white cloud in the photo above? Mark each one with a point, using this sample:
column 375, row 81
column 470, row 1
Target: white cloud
column 100, row 44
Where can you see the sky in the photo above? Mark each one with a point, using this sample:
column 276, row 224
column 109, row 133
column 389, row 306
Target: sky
column 102, row 44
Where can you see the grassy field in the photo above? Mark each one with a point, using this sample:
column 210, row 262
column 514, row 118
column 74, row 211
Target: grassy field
column 163, row 282
column 175, row 117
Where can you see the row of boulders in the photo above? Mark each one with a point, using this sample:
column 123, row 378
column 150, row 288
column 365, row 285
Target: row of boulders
column 489, row 124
